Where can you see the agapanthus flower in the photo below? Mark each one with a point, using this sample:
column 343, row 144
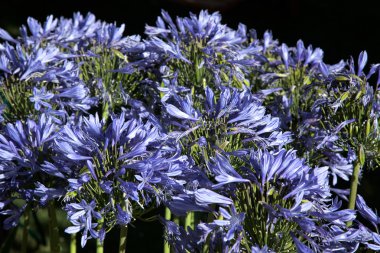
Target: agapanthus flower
column 232, row 113
column 26, row 65
column 205, row 236
column 290, row 194
column 366, row 211
column 2, row 107
column 81, row 215
column 25, row 148
column 39, row 96
column 204, row 28
column 125, row 166
column 256, row 249
column 78, row 33
column 60, row 31
column 223, row 172
column 347, row 103
column 200, row 47
column 233, row 221
column 6, row 36
column 194, row 117
column 49, row 83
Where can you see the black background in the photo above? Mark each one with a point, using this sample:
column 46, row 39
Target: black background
column 342, row 29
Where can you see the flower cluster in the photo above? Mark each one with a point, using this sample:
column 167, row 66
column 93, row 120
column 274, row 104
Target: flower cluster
column 243, row 140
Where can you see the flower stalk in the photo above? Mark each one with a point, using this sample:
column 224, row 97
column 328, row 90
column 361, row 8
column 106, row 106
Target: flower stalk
column 53, row 228
column 168, row 216
column 25, row 231
column 73, row 243
column 123, row 239
column 354, row 188
column 189, row 221
column 99, row 246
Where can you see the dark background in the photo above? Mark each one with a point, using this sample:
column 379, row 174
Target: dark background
column 342, row 29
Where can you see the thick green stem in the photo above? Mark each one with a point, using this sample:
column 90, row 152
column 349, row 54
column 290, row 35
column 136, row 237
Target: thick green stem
column 25, row 231
column 73, row 243
column 99, row 246
column 354, row 188
column 123, row 239
column 189, row 221
column 168, row 216
column 53, row 229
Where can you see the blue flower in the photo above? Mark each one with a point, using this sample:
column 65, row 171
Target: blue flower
column 224, row 172
column 198, row 41
column 4, row 63
column 232, row 221
column 46, row 194
column 285, row 55
column 145, row 178
column 123, row 218
column 25, row 153
column 180, row 204
column 256, row 249
column 366, row 211
column 6, row 36
column 287, row 191
column 301, row 248
column 38, row 31
column 168, row 47
column 234, row 112
column 362, row 61
column 129, row 162
column 206, row 197
column 2, row 107
column 268, row 41
column 81, row 215
column 110, row 35
column 39, row 96
column 175, row 112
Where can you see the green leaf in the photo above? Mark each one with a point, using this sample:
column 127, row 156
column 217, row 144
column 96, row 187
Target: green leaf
column 344, row 96
column 120, row 55
column 361, row 155
column 359, row 95
column 342, row 78
column 368, row 128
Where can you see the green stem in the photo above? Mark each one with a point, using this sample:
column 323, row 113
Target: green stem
column 168, row 216
column 189, row 221
column 123, row 239
column 354, row 188
column 99, row 246
column 53, row 229
column 25, row 231
column 73, row 243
